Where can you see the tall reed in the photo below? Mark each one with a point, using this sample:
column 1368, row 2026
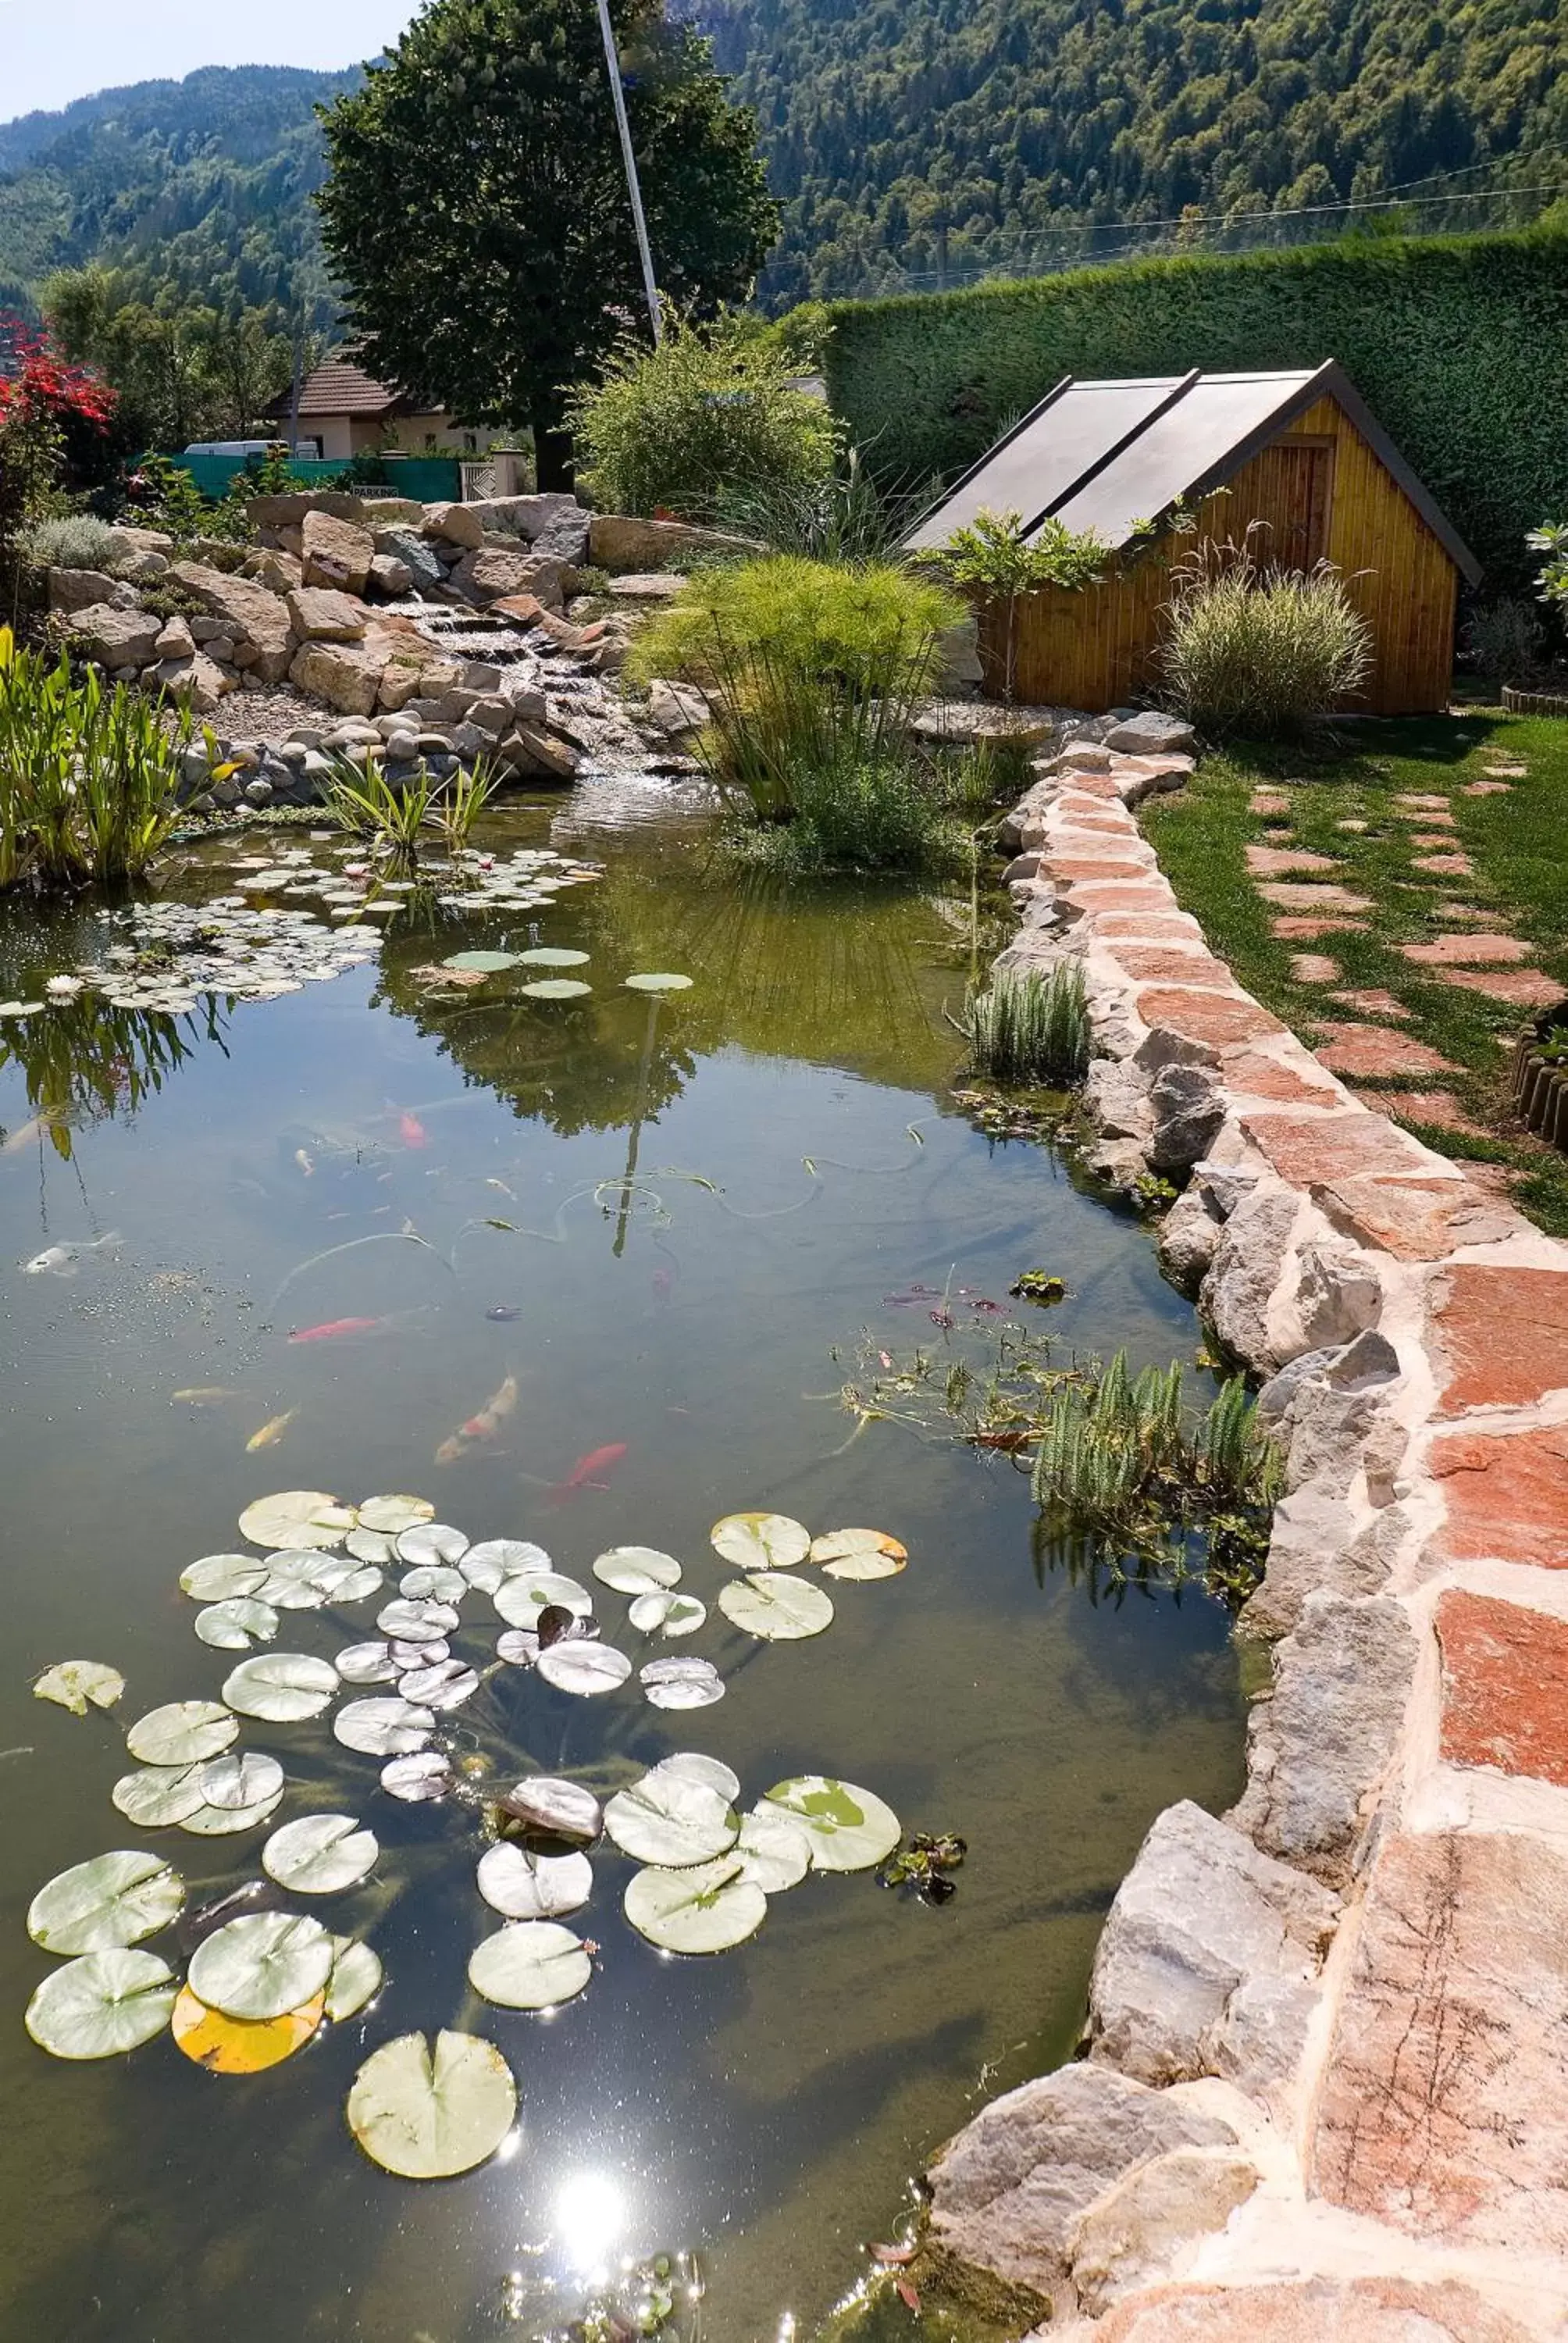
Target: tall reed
column 1028, row 1028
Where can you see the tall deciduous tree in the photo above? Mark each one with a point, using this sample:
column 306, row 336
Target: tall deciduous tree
column 478, row 209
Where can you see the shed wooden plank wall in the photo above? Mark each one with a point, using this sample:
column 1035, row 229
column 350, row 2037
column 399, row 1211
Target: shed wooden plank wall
column 1092, row 650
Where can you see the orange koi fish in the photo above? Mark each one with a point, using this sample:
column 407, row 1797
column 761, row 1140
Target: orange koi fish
column 481, row 1429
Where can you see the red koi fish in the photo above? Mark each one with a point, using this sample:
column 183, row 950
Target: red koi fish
column 412, row 1131
column 584, row 1472
column 330, row 1329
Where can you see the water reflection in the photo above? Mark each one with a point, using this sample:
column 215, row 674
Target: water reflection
column 83, row 1062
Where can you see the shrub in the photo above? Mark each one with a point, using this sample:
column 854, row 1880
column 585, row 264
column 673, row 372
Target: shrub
column 73, row 541
column 87, row 775
column 1030, row 1028
column 1502, row 640
column 811, row 670
column 1552, row 578
column 713, row 412
column 995, row 562
column 1259, row 650
column 885, row 813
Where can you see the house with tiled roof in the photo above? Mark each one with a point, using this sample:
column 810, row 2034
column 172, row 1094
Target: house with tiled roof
column 347, row 411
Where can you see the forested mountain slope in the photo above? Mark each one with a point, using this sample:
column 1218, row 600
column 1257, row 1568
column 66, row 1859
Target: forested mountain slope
column 894, row 126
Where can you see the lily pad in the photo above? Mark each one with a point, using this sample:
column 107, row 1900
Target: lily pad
column 369, row 1546
column 681, row 1683
column 659, row 981
column 483, row 963
column 282, row 1687
column 781, row 1609
column 530, row 1965
column 636, row 1570
column 494, row 1559
column 554, row 1808
column 208, row 1821
column 300, row 1579
column 427, row 2117
column 444, row 1685
column 417, row 1780
column 709, row 1907
column 858, row 1553
column 775, row 1850
column 219, row 1576
column 392, row 1515
column 697, row 1766
column 556, row 987
column 78, row 1685
column 235, row 1623
column 436, row 1581
column 432, row 1542
column 578, row 1666
column 241, row 2045
column 369, row 1662
column 158, row 1796
column 318, row 1855
column 553, row 956
column 249, row 1779
column 667, row 1819
column 296, row 1517
column 850, row 1828
column 115, row 1900
column 519, row 1648
column 105, row 2002
column 357, row 1978
column 384, row 1728
column 182, row 1732
column 523, row 1886
column 519, row 1601
column 418, row 1620
column 261, row 1965
column 666, row 1614
column 761, row 1541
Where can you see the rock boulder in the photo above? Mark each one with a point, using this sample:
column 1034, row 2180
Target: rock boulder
column 317, row 614
column 1152, row 734
column 336, row 553
column 251, row 614
column 454, row 525
column 617, row 541
column 115, row 638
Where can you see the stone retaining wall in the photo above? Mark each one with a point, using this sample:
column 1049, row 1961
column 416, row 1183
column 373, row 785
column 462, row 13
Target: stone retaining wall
column 1326, row 2090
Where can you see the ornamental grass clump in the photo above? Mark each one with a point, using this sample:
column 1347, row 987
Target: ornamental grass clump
column 1026, row 1026
column 88, row 775
column 73, row 541
column 1257, row 650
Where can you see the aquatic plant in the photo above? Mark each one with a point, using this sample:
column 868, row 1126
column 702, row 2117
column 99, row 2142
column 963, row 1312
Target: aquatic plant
column 455, row 808
column 1030, row 1028
column 359, row 797
column 88, row 773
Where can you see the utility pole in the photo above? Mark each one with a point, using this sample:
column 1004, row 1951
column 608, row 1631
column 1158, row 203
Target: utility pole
column 617, row 93
column 298, row 381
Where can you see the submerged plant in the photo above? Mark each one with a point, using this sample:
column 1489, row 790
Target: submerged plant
column 1030, row 1028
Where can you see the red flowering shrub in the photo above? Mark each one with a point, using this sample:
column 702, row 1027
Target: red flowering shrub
column 52, row 417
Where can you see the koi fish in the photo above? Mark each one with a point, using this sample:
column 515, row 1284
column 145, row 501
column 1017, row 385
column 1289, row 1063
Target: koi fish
column 480, row 1428
column 60, row 1260
column 205, row 1394
column 271, row 1432
column 585, row 1471
column 17, row 1140
column 305, row 1161
column 412, row 1131
column 331, row 1328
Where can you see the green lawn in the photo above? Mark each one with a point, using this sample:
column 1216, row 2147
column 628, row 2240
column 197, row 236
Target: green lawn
column 1517, row 842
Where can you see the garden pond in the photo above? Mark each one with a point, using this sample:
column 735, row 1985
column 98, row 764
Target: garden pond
column 584, row 1269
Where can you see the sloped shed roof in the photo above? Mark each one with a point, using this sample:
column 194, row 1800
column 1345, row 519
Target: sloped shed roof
column 1107, row 455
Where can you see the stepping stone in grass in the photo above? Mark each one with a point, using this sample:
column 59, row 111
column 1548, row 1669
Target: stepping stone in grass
column 1460, row 911
column 1486, row 788
column 1467, row 952
column 1444, row 866
column 1440, row 1108
column 1290, row 895
column 1278, row 862
column 1314, row 968
column 1270, row 802
column 1429, row 816
column 1373, row 1003
column 1429, row 840
column 1356, row 826
column 1521, row 987
column 1297, row 929
column 1421, row 802
column 1505, row 772
column 1372, row 1050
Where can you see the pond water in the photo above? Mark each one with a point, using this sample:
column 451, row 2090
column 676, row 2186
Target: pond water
column 709, row 1195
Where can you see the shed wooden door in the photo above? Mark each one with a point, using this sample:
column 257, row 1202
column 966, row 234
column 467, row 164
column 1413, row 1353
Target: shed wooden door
column 1289, row 487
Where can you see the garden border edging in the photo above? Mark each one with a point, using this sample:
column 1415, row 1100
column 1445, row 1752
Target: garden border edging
column 1325, row 2087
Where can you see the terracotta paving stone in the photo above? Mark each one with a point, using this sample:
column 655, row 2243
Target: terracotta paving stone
column 1104, row 825
column 1524, row 988
column 1507, row 1497
column 1505, row 772
column 1306, row 1149
column 1279, row 862
column 1504, row 1333
column 1145, row 960
column 1504, row 1687
column 1439, row 1106
column 1216, row 1017
column 1310, row 2310
column 1074, row 866
column 1486, row 788
column 1440, row 840
column 1373, row 1003
column 1314, row 968
column 1293, row 928
column 1467, row 952
column 1103, row 895
column 1268, row 802
column 1153, row 925
column 1444, row 2104
column 1301, row 895
column 1416, row 1219
column 1379, row 1050
column 1249, row 1075
column 1421, row 801
column 1444, row 866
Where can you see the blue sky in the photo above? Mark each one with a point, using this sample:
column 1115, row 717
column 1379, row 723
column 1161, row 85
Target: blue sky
column 50, row 53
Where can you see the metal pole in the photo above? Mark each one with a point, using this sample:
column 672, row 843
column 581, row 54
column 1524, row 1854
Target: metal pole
column 296, row 384
column 617, row 93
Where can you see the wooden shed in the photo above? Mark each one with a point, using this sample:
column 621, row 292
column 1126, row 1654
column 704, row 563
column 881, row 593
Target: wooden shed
column 1300, row 452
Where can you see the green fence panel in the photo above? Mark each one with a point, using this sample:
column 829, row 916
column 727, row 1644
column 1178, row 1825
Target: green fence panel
column 432, row 480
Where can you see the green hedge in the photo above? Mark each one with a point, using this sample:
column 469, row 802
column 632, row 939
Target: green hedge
column 1458, row 344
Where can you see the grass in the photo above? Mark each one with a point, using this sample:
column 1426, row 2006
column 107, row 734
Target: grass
column 1519, row 882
